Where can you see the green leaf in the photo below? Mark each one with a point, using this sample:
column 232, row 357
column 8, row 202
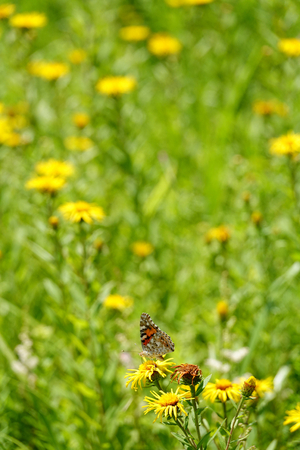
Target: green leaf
column 273, row 445
column 180, row 438
column 204, row 440
column 216, row 432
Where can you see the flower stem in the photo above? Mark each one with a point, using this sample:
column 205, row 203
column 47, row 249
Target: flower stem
column 234, row 420
column 158, row 385
column 191, row 441
column 225, row 413
column 193, row 392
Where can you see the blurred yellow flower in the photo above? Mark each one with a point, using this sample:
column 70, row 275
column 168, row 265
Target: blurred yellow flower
column 116, row 301
column 6, row 10
column 293, row 416
column 148, row 371
column 223, row 390
column 14, row 139
column 220, row 234
column 48, row 70
column 291, row 47
column 268, row 107
column 49, row 185
column 167, row 404
column 54, row 168
column 256, row 217
column 162, row 44
column 134, row 33
column 82, row 212
column 263, row 386
column 28, row 20
column 142, row 248
column 177, row 3
column 81, row 120
column 222, row 309
column 53, row 221
column 115, row 86
column 77, row 56
column 288, row 144
column 80, row 143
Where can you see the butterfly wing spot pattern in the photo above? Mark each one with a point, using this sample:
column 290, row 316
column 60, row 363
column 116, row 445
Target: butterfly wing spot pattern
column 155, row 342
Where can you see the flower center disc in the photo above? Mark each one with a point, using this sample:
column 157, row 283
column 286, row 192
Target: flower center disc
column 168, row 400
column 223, row 384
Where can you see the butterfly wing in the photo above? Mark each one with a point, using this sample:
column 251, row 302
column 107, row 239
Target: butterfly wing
column 155, row 342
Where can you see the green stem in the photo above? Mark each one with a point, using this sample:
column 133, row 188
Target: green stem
column 193, row 392
column 233, row 421
column 191, row 441
column 225, row 413
column 207, row 429
column 157, row 383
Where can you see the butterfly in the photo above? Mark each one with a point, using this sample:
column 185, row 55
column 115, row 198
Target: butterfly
column 155, row 342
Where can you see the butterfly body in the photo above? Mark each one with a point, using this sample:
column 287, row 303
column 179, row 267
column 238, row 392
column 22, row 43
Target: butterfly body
column 155, row 342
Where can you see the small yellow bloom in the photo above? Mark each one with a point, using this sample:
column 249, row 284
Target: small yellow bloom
column 82, row 212
column 248, row 387
column 116, row 301
column 77, row 56
column 293, row 416
column 79, row 143
column 220, row 234
column 49, row 185
column 54, row 168
column 162, row 44
column 14, row 139
column 28, row 20
column 7, row 10
column 223, row 390
column 115, row 86
column 134, row 33
column 167, row 404
column 48, row 70
column 222, row 309
column 177, row 3
column 53, row 221
column 291, row 47
column 288, row 144
column 268, row 107
column 147, row 372
column 142, row 248
column 256, row 217
column 81, row 120
column 263, row 386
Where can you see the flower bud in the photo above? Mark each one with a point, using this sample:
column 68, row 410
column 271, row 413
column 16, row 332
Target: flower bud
column 248, row 387
column 54, row 221
column 222, row 309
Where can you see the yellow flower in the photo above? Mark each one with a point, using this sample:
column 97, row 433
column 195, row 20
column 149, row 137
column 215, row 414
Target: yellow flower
column 48, row 70
column 116, row 301
column 293, row 416
column 5, row 129
column 167, row 404
column 115, row 86
column 256, row 217
column 7, row 10
column 220, row 234
column 162, row 44
column 268, row 107
column 81, row 120
column 14, row 139
column 28, row 20
column 148, row 371
column 248, row 387
column 80, row 143
column 177, row 3
column 134, row 33
column 49, row 185
column 223, row 390
column 288, row 144
column 263, row 386
column 291, row 47
column 142, row 249
column 222, row 309
column 53, row 221
column 54, row 168
column 77, row 56
column 82, row 212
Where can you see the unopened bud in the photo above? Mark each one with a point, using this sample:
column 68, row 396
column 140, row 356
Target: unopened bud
column 54, row 221
column 248, row 387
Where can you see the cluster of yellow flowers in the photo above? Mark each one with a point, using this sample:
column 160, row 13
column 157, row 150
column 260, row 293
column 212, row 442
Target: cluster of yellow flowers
column 12, row 121
column 51, row 177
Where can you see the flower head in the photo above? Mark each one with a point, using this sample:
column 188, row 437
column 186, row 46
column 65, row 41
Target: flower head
column 290, row 47
column 288, row 144
column 293, row 416
column 134, row 33
column 116, row 301
column 263, row 386
column 167, row 404
column 256, row 217
column 189, row 373
column 268, row 107
column 115, row 86
column 28, row 20
column 77, row 56
column 6, row 10
column 48, row 70
column 177, row 3
column 222, row 309
column 148, row 371
column 142, row 248
column 54, row 222
column 220, row 234
column 162, row 44
column 82, row 212
column 46, row 184
column 54, row 168
column 223, row 390
column 81, row 120
column 248, row 387
column 78, row 143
